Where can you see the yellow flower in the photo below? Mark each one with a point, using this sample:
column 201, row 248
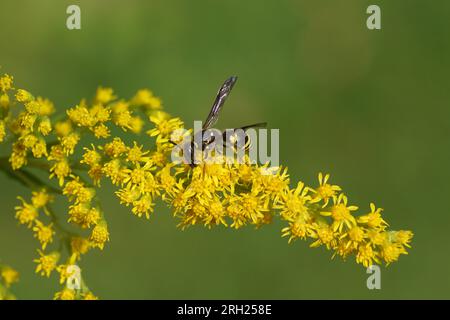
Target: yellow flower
column 27, row 120
column 201, row 186
column 341, row 214
column 83, row 215
column 373, row 219
column 403, row 237
column 73, row 187
column 115, row 171
column 177, row 136
column 143, row 206
column 376, row 237
column 99, row 235
column 325, row 235
column 254, row 205
column 61, row 170
column 353, row 237
column 195, row 214
column 141, row 176
column 215, row 214
column 43, row 233
column 299, row 229
column 56, row 153
column 69, row 142
column 81, row 116
column 23, row 96
column 85, row 195
column 65, row 294
column 166, row 180
column 115, row 148
column 247, row 173
column 236, row 213
column 26, row 213
column 120, row 106
column 366, row 256
column 6, row 82
column 64, row 274
column 179, row 197
column 222, row 177
column 164, row 125
column 274, row 181
column 2, row 130
column 39, row 149
column 29, row 140
column 4, row 101
column 96, row 173
column 46, row 263
column 159, row 157
column 293, row 202
column 9, row 275
column 79, row 246
column 101, row 131
column 150, row 185
column 136, row 124
column 128, row 195
column 100, row 113
column 146, row 98
column 46, row 107
column 18, row 159
column 91, row 157
column 32, row 107
column 325, row 191
column 104, row 95
column 89, row 296
column 390, row 252
column 63, row 128
column 123, row 119
column 45, row 126
column 135, row 154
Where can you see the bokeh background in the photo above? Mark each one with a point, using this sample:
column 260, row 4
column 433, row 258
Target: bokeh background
column 370, row 107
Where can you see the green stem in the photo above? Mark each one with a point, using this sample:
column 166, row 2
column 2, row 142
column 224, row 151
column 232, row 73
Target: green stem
column 26, row 178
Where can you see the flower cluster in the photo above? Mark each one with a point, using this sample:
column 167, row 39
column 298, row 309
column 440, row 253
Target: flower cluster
column 218, row 192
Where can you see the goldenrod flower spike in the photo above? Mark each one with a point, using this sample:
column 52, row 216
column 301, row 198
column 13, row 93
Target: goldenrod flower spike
column 218, row 192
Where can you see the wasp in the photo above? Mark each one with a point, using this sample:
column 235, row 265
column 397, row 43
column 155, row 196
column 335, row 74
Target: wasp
column 206, row 138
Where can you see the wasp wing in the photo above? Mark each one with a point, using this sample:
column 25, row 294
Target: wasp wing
column 255, row 125
column 222, row 95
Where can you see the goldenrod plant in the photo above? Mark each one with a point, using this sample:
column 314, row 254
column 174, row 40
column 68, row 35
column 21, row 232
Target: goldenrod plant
column 212, row 193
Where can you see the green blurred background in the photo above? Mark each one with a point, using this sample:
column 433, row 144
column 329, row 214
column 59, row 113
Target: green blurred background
column 370, row 107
